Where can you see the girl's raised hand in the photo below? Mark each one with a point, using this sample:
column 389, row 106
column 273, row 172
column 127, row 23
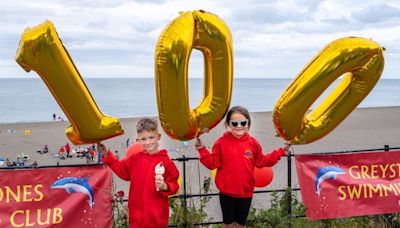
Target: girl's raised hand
column 199, row 144
column 286, row 148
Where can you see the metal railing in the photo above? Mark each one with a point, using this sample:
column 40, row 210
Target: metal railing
column 186, row 196
column 289, row 156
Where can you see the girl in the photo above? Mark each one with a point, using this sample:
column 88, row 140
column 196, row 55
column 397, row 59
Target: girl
column 234, row 155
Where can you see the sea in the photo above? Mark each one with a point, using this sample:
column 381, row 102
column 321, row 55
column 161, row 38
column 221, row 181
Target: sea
column 29, row 100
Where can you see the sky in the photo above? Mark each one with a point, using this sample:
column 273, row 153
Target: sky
column 271, row 39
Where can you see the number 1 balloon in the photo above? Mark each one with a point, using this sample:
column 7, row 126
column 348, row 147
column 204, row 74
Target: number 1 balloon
column 42, row 51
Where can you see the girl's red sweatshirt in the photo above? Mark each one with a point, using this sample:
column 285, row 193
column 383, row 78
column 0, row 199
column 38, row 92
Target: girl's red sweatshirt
column 235, row 158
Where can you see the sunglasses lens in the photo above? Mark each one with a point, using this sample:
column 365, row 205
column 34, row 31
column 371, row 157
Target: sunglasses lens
column 236, row 123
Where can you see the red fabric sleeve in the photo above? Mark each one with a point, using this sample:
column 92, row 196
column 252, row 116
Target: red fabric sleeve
column 210, row 160
column 269, row 160
column 119, row 167
column 171, row 179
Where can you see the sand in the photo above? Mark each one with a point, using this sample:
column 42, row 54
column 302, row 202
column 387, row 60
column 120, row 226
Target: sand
column 364, row 128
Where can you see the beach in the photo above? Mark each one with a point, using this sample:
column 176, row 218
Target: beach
column 364, row 128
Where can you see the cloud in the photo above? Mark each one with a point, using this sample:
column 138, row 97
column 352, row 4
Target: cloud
column 270, row 38
column 377, row 13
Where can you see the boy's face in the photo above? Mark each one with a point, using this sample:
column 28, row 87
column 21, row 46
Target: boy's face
column 149, row 141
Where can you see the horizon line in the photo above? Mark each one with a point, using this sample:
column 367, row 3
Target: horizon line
column 144, row 77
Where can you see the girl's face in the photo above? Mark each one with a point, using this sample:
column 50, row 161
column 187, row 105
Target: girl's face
column 238, row 125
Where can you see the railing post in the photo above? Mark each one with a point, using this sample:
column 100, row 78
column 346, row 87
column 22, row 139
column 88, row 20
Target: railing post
column 184, row 190
column 289, row 186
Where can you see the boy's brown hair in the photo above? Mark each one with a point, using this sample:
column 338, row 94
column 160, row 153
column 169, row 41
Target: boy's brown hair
column 146, row 124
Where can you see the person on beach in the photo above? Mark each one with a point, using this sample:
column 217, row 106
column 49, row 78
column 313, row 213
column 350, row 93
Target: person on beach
column 87, row 155
column 61, row 152
column 234, row 155
column 67, row 149
column 153, row 177
column 45, row 149
column 8, row 163
column 91, row 153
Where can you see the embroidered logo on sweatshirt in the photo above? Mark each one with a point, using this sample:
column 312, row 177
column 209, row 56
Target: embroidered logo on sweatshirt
column 248, row 154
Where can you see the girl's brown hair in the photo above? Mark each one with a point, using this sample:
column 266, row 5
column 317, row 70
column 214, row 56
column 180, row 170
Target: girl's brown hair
column 240, row 110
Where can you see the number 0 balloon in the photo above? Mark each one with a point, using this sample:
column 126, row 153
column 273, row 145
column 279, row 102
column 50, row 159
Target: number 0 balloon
column 42, row 51
column 359, row 60
column 209, row 34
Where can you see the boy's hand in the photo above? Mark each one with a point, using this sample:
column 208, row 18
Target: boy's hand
column 160, row 184
column 199, row 144
column 101, row 148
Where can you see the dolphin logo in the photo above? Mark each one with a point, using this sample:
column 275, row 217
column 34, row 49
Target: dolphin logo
column 73, row 185
column 329, row 172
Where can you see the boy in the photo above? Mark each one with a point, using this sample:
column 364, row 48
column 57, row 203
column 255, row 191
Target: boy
column 148, row 193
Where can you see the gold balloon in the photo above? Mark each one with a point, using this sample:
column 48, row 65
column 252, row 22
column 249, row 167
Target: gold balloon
column 41, row 50
column 359, row 60
column 213, row 173
column 209, row 34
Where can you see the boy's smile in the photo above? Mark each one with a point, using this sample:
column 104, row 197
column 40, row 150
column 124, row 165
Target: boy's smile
column 149, row 140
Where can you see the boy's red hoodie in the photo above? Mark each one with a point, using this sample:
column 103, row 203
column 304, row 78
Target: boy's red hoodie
column 147, row 206
column 235, row 158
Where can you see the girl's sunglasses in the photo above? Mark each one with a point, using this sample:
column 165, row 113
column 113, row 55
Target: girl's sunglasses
column 233, row 123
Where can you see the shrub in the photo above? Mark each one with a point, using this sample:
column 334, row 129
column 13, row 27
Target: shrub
column 191, row 214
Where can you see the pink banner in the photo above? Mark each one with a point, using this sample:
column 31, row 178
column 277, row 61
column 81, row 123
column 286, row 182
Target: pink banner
column 345, row 185
column 61, row 197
